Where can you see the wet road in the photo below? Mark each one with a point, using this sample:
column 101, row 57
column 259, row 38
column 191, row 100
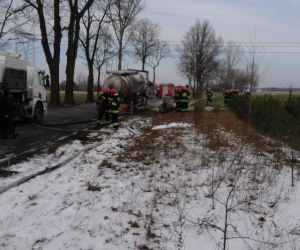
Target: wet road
column 32, row 138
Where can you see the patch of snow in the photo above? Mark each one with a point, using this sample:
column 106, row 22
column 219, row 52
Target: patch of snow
column 209, row 108
column 172, row 125
column 165, row 203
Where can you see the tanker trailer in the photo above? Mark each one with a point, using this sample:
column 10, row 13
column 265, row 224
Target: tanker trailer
column 130, row 84
column 26, row 84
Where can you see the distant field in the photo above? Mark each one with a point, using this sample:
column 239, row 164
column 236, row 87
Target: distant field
column 283, row 96
column 278, row 93
column 79, row 96
column 218, row 100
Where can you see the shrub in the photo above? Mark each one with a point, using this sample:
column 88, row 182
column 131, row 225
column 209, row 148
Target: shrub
column 240, row 105
column 293, row 106
column 270, row 116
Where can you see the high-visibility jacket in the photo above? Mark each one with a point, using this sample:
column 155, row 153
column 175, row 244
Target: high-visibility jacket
column 184, row 96
column 209, row 94
column 114, row 104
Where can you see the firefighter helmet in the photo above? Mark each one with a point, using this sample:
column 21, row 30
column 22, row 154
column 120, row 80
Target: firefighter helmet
column 113, row 91
column 106, row 90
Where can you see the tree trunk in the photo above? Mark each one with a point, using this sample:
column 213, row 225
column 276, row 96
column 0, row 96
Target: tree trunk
column 70, row 68
column 73, row 38
column 56, row 55
column 143, row 63
column 120, row 54
column 154, row 75
column 90, row 83
column 54, row 75
column 98, row 81
column 225, row 227
column 52, row 61
column 71, row 57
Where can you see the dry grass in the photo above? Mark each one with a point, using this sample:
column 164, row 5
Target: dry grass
column 208, row 123
column 211, row 122
column 152, row 142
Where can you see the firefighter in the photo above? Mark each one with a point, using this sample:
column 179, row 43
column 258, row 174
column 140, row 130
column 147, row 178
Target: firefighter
column 99, row 104
column 108, row 96
column 8, row 129
column 114, row 108
column 247, row 92
column 184, row 96
column 102, row 107
column 209, row 95
column 227, row 96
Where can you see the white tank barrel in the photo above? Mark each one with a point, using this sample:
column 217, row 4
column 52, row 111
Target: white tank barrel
column 129, row 84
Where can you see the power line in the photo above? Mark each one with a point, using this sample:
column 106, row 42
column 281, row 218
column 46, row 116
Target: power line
column 237, row 42
column 249, row 46
column 245, row 45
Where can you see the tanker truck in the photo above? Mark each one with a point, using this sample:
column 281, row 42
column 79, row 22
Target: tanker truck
column 131, row 85
column 27, row 85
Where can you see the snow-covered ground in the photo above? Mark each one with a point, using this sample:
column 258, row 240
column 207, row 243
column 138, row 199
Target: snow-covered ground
column 154, row 186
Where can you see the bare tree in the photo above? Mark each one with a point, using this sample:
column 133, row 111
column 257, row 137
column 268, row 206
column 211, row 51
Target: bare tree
column 161, row 51
column 230, row 177
column 80, row 81
column 9, row 10
column 241, row 79
column 6, row 15
column 230, row 64
column 144, row 39
column 252, row 67
column 199, row 52
column 186, row 67
column 52, row 55
column 104, row 53
column 93, row 23
column 122, row 14
column 77, row 8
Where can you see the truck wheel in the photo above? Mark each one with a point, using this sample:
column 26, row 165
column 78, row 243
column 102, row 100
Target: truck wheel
column 38, row 113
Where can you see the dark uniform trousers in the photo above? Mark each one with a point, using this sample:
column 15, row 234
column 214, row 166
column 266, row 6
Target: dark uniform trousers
column 7, row 117
column 103, row 111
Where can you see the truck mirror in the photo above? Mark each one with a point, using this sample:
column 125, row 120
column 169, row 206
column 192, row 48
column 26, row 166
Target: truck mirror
column 47, row 82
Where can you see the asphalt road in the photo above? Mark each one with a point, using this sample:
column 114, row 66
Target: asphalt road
column 32, row 138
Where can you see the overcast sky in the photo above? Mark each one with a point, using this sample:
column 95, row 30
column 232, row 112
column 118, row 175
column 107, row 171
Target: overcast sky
column 275, row 22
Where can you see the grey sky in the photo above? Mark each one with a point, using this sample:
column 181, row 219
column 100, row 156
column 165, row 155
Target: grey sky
column 275, row 22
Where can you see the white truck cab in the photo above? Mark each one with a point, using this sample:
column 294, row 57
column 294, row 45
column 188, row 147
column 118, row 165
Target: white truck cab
column 27, row 85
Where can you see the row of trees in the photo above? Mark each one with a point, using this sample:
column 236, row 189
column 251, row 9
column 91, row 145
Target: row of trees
column 96, row 30
column 205, row 60
column 104, row 29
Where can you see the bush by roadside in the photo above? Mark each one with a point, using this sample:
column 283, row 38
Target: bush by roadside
column 270, row 115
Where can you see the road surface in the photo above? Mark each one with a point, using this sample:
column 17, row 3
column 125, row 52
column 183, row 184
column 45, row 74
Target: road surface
column 32, row 138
